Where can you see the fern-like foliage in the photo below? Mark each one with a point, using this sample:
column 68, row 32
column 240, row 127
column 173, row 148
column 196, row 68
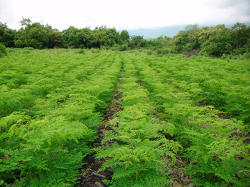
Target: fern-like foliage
column 216, row 156
column 135, row 150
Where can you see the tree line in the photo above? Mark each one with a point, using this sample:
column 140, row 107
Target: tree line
column 41, row 36
column 213, row 41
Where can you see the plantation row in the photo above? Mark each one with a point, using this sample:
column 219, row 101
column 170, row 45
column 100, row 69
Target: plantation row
column 212, row 145
column 176, row 115
column 138, row 154
column 43, row 142
column 210, row 81
column 160, row 125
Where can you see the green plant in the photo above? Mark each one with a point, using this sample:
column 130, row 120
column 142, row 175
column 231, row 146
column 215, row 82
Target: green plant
column 47, row 123
column 211, row 144
column 123, row 47
column 137, row 154
column 176, row 114
column 3, row 51
column 81, row 51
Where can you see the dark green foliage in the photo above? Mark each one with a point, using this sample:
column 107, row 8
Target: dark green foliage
column 137, row 42
column 81, row 51
column 3, row 51
column 208, row 41
column 103, row 36
column 77, row 38
column 7, row 35
column 124, row 36
column 37, row 36
column 187, row 39
column 87, row 38
column 161, row 52
column 240, row 35
column 213, row 41
column 216, row 41
column 123, row 47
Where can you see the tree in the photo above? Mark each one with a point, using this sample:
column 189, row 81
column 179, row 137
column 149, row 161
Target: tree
column 7, row 35
column 241, row 34
column 215, row 41
column 25, row 22
column 37, row 35
column 103, row 36
column 124, row 36
column 137, row 41
column 3, row 51
column 187, row 40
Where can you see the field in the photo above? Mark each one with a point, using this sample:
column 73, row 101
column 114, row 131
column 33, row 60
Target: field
column 71, row 117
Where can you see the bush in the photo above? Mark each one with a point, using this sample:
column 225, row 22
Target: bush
column 162, row 52
column 123, row 47
column 81, row 51
column 3, row 51
column 246, row 55
column 149, row 53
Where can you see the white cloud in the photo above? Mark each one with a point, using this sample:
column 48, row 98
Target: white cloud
column 129, row 14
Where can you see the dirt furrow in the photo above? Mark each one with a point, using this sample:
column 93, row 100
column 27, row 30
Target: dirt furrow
column 90, row 177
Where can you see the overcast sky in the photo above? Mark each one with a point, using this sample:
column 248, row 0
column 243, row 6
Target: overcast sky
column 124, row 14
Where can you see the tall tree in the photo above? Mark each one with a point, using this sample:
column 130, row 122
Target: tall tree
column 7, row 35
column 124, row 36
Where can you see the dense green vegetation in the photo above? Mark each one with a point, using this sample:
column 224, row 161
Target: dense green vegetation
column 177, row 115
column 3, row 51
column 208, row 41
column 214, row 41
column 50, row 103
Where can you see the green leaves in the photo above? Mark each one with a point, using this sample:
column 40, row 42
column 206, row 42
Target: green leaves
column 135, row 149
column 49, row 120
column 207, row 139
column 171, row 109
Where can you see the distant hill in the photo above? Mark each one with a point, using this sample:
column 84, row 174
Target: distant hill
column 156, row 32
column 169, row 31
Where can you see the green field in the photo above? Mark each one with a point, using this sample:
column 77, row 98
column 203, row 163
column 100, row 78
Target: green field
column 83, row 117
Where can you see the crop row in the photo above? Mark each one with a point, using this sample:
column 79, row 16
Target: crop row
column 209, row 81
column 26, row 81
column 214, row 147
column 135, row 148
column 171, row 110
column 43, row 144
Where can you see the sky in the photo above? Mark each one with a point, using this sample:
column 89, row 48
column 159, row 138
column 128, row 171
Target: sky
column 124, row 14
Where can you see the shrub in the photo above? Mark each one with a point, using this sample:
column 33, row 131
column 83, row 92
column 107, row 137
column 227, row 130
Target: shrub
column 162, row 51
column 123, row 47
column 149, row 53
column 81, row 51
column 3, row 51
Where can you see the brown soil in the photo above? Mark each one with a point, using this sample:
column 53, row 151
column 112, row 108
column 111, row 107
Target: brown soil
column 223, row 116
column 181, row 179
column 202, row 103
column 191, row 53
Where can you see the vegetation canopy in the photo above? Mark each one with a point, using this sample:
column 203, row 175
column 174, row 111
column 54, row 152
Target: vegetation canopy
column 74, row 116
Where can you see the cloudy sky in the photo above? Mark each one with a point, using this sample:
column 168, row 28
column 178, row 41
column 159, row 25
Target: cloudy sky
column 124, row 14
